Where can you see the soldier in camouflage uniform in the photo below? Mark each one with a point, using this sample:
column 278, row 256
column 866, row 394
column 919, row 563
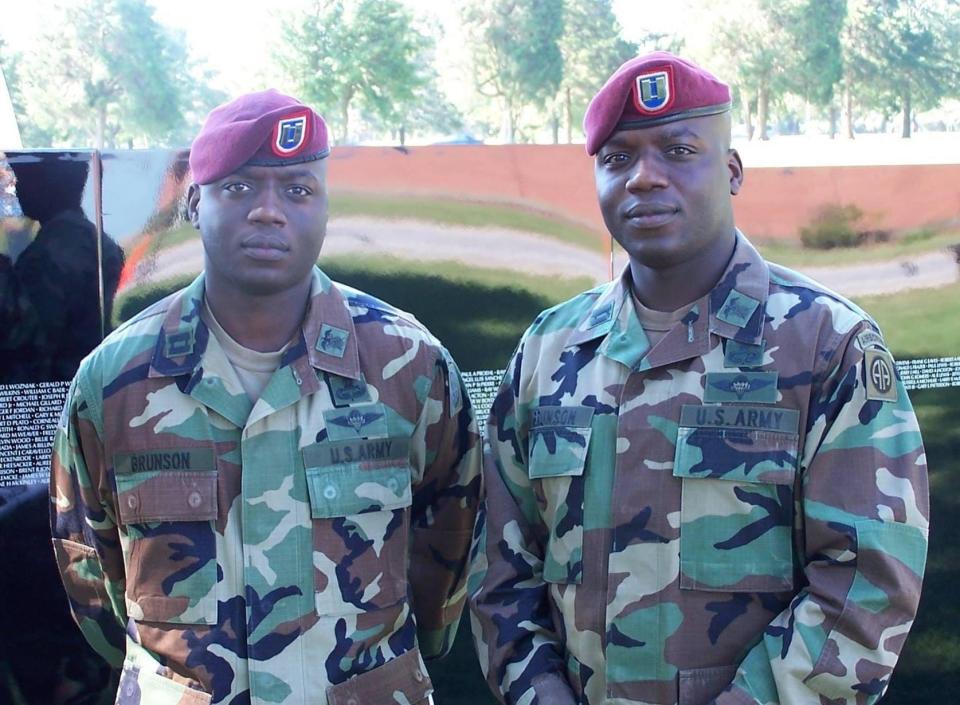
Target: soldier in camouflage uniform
column 705, row 481
column 300, row 543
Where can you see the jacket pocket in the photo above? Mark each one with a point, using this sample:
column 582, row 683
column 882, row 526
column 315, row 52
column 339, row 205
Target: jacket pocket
column 142, row 682
column 737, row 508
column 171, row 563
column 360, row 511
column 404, row 675
column 699, row 686
column 557, row 460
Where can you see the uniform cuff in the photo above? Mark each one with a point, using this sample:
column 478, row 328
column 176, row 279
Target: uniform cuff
column 553, row 689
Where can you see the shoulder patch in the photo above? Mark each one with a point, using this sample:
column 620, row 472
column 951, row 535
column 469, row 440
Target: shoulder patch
column 881, row 375
column 870, row 339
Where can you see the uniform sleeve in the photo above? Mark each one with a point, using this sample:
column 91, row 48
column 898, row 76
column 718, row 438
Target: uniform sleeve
column 84, row 530
column 520, row 653
column 444, row 509
column 865, row 510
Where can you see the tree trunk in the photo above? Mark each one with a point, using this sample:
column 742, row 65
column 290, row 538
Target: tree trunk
column 345, row 115
column 568, row 113
column 403, row 135
column 745, row 111
column 101, row 125
column 906, row 109
column 763, row 105
column 555, row 126
column 834, row 121
column 847, row 108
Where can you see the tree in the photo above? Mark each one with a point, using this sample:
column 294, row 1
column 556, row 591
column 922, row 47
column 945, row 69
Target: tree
column 812, row 31
column 516, row 52
column 592, row 49
column 107, row 74
column 366, row 54
column 901, row 54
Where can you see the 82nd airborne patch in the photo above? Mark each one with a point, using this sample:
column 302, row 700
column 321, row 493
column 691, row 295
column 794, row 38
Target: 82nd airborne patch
column 881, row 375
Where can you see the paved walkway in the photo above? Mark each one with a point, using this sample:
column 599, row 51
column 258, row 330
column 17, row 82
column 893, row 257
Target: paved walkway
column 527, row 253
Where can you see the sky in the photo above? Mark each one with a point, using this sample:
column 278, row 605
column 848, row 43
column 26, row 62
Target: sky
column 235, row 37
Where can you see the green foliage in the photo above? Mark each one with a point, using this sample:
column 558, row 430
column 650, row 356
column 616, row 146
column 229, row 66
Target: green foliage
column 833, row 225
column 366, row 54
column 516, row 51
column 901, row 54
column 107, row 75
column 592, row 49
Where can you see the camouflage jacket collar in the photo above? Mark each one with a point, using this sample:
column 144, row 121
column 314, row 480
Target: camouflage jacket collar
column 328, row 340
column 735, row 310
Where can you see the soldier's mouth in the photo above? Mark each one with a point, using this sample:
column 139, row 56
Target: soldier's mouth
column 264, row 248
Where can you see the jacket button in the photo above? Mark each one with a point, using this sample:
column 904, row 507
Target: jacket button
column 132, row 501
column 353, row 701
column 194, row 499
column 330, row 492
column 418, row 676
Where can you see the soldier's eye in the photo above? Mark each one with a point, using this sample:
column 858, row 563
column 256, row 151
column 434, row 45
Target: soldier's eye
column 299, row 190
column 616, row 158
column 236, row 187
column 680, row 150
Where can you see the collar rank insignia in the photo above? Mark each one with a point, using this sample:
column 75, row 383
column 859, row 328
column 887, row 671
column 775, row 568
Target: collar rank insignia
column 653, row 91
column 178, row 344
column 332, row 340
column 290, row 134
column 601, row 315
column 757, row 387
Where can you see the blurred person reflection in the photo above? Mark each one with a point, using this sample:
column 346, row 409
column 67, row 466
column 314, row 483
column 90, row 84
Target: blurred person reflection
column 50, row 319
column 50, row 315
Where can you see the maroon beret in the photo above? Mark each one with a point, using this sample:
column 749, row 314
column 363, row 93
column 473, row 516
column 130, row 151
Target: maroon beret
column 261, row 129
column 651, row 90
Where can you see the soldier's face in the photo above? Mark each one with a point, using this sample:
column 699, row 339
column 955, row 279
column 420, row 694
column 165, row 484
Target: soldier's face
column 262, row 227
column 665, row 191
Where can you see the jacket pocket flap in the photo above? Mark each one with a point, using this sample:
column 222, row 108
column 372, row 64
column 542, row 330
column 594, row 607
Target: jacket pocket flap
column 341, row 491
column 558, row 451
column 168, row 495
column 736, row 454
column 404, row 674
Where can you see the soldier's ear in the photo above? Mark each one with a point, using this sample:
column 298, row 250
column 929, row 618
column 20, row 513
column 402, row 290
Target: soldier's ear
column 193, row 205
column 735, row 166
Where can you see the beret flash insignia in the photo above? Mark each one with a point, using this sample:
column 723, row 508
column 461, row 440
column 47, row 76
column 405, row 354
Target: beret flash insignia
column 653, row 90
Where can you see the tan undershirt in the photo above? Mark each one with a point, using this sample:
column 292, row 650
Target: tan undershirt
column 656, row 324
column 253, row 368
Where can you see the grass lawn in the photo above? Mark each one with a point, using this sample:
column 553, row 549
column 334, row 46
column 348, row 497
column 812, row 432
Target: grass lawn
column 919, row 323
column 793, row 254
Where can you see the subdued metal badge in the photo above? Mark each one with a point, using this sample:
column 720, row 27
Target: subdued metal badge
column 755, row 387
column 653, row 90
column 737, row 308
column 346, row 391
column 881, row 375
column 737, row 354
column 290, row 134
